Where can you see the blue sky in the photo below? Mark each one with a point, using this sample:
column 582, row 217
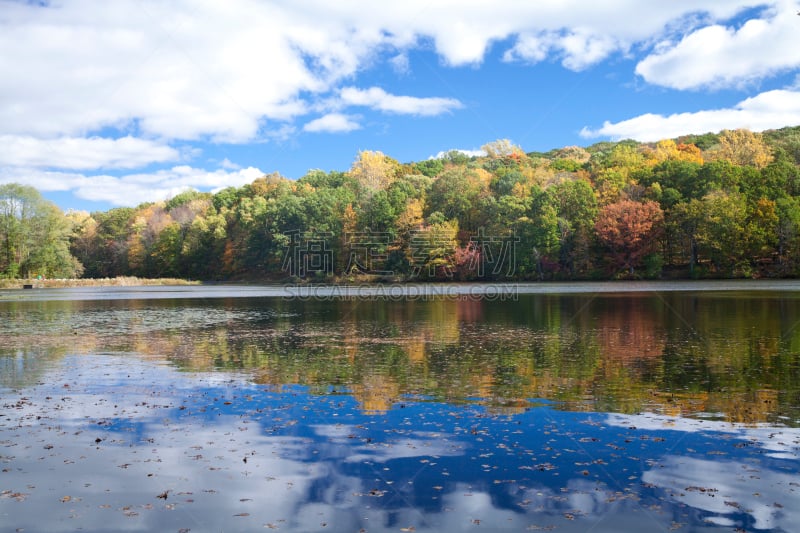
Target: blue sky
column 122, row 102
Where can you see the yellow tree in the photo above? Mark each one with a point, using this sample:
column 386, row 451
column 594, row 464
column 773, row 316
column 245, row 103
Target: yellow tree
column 148, row 224
column 374, row 171
column 691, row 153
column 84, row 233
column 668, row 150
column 742, row 147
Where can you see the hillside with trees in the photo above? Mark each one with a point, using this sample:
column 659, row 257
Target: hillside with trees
column 714, row 205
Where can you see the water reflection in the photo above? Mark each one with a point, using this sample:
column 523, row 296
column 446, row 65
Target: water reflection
column 733, row 354
column 113, row 442
column 609, row 412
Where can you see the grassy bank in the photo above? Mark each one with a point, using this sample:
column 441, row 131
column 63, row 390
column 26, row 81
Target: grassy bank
column 122, row 281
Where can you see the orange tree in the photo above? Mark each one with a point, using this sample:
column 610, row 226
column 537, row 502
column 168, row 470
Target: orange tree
column 629, row 231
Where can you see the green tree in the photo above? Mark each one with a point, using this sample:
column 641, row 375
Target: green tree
column 788, row 234
column 433, row 249
column 683, row 223
column 576, row 208
column 457, row 193
column 34, row 235
column 107, row 254
column 722, row 232
column 681, row 176
column 540, row 234
column 430, row 167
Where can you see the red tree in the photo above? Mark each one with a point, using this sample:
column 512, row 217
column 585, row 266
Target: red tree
column 629, row 230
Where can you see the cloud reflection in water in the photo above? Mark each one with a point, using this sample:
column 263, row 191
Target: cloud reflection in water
column 95, row 442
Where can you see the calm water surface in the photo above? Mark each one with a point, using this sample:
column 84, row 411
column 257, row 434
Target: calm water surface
column 574, row 407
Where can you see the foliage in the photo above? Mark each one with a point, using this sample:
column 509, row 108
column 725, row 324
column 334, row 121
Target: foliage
column 742, row 147
column 725, row 204
column 374, row 171
column 34, row 236
column 629, row 231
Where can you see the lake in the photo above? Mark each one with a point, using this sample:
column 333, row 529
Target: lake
column 602, row 407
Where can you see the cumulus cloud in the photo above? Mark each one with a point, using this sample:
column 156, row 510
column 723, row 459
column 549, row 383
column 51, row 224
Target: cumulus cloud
column 768, row 110
column 182, row 70
column 377, row 98
column 332, row 123
column 176, row 71
column 94, row 86
column 721, row 56
column 80, row 153
column 579, row 48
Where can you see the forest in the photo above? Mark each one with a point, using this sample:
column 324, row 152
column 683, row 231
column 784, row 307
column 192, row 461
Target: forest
column 718, row 205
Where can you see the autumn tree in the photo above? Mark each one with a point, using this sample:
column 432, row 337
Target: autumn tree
column 629, row 231
column 726, row 201
column 572, row 153
column 502, row 148
column 669, row 150
column 742, row 147
column 84, row 234
column 374, row 171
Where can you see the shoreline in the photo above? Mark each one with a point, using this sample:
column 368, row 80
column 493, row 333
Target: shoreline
column 400, row 292
column 121, row 281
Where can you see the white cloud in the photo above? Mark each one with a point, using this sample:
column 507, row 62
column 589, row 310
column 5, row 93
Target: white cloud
column 578, row 48
column 175, row 70
column 228, row 164
column 183, row 70
column 332, row 123
column 719, row 56
column 90, row 85
column 530, row 48
column 730, row 494
column 401, row 64
column 768, row 110
column 131, row 189
column 377, row 98
column 468, row 153
column 583, row 48
column 79, row 153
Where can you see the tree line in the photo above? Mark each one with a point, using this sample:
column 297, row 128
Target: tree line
column 713, row 205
